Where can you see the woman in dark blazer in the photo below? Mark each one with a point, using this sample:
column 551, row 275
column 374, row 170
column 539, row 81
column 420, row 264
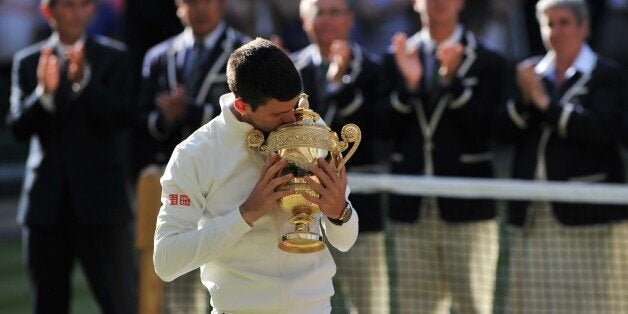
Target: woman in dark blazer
column 565, row 124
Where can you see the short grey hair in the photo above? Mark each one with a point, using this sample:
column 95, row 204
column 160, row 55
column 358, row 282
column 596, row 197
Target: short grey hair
column 578, row 7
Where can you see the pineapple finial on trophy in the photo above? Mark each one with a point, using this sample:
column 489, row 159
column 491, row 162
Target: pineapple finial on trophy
column 303, row 111
column 303, row 102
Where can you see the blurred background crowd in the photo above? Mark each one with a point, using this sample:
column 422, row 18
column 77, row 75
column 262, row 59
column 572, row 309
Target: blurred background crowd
column 509, row 27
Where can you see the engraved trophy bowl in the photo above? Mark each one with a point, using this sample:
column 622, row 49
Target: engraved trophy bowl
column 302, row 143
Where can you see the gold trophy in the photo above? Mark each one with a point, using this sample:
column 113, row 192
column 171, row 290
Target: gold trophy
column 302, row 143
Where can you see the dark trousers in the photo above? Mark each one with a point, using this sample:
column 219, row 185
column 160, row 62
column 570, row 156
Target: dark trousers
column 105, row 254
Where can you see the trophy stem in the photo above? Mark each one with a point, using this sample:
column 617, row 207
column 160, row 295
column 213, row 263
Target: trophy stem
column 301, row 240
column 302, row 220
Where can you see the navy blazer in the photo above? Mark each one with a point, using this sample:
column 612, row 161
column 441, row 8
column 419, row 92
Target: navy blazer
column 354, row 101
column 75, row 160
column 445, row 130
column 162, row 71
column 576, row 140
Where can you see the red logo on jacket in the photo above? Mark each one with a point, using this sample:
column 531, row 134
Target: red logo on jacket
column 184, row 200
column 179, row 199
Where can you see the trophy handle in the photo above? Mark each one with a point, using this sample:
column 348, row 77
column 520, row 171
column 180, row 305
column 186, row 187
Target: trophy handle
column 350, row 133
column 253, row 143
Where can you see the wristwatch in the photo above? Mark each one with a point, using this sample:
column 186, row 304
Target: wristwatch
column 344, row 217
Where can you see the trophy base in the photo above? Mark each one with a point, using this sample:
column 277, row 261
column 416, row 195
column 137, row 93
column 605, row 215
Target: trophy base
column 300, row 242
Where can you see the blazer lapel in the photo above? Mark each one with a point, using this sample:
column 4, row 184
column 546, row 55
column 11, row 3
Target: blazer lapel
column 180, row 60
column 213, row 67
column 215, row 52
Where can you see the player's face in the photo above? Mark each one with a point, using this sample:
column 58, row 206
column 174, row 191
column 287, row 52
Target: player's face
column 273, row 114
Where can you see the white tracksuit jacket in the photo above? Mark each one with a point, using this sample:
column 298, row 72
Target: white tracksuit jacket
column 207, row 178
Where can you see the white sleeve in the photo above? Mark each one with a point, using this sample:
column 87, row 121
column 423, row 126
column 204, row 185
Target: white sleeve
column 342, row 237
column 180, row 246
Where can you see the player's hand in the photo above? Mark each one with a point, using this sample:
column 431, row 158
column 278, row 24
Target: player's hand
column 332, row 188
column 264, row 197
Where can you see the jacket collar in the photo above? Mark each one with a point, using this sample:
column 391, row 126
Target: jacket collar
column 312, row 54
column 185, row 40
column 61, row 49
column 423, row 39
column 584, row 63
column 229, row 119
column 209, row 41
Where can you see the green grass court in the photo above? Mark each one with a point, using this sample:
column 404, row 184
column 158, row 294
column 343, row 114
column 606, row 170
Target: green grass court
column 14, row 286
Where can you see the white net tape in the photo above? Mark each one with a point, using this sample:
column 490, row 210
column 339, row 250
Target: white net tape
column 578, row 192
column 542, row 267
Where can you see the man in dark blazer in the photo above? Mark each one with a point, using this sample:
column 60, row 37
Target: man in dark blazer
column 182, row 80
column 443, row 89
column 565, row 125
column 343, row 84
column 70, row 98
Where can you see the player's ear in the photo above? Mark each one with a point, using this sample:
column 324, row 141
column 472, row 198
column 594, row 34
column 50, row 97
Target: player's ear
column 240, row 105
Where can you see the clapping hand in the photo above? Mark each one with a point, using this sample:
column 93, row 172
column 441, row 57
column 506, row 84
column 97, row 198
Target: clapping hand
column 172, row 104
column 339, row 57
column 530, row 84
column 48, row 71
column 450, row 57
column 408, row 61
column 76, row 64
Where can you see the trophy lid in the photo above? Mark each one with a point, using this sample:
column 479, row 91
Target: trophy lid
column 305, row 132
column 303, row 111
